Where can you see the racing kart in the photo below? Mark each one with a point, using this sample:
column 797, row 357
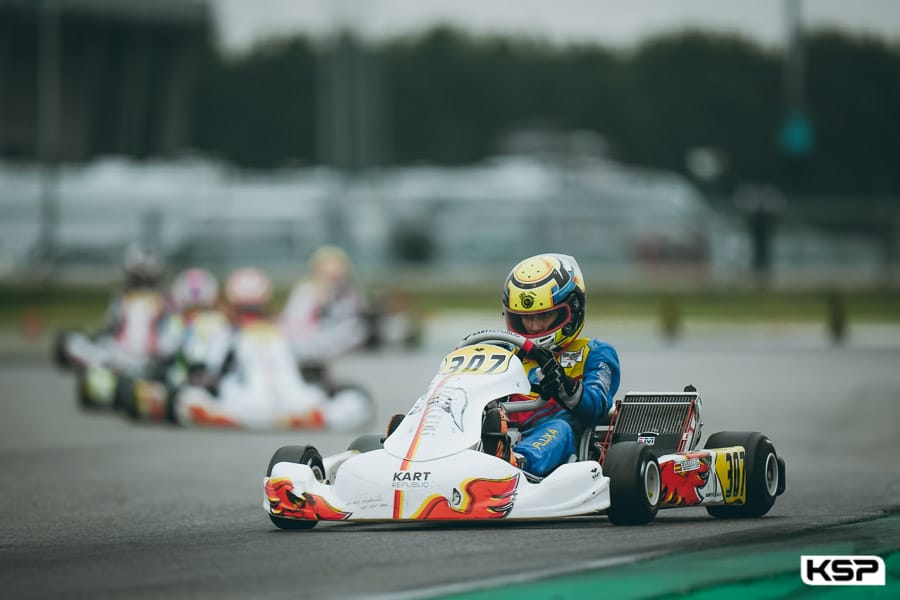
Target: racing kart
column 431, row 465
column 205, row 340
column 261, row 389
column 103, row 361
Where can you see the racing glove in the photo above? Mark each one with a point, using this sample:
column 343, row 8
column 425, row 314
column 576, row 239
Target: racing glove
column 555, row 384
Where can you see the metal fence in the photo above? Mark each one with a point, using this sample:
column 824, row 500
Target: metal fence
column 635, row 226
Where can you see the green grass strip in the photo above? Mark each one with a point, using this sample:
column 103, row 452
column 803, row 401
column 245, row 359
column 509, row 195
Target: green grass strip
column 715, row 573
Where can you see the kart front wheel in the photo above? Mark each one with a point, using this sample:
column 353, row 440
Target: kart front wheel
column 126, row 397
column 634, row 485
column 89, row 399
column 60, row 351
column 301, row 455
column 762, row 469
column 82, row 393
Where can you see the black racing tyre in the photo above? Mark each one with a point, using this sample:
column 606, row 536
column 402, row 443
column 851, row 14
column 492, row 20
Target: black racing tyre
column 83, row 394
column 123, row 393
column 302, row 455
column 634, row 487
column 367, row 443
column 58, row 353
column 761, row 468
column 171, row 414
column 126, row 397
column 367, row 409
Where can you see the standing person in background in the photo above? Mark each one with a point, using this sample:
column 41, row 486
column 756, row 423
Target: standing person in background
column 762, row 207
column 544, row 300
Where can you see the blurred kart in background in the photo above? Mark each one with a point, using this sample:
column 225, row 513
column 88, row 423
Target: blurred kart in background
column 431, row 465
column 326, row 315
column 102, row 361
column 258, row 387
column 392, row 320
column 206, row 340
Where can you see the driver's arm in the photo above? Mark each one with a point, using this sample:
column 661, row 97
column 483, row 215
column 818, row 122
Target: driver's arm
column 600, row 382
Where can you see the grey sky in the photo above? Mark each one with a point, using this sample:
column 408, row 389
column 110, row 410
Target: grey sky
column 616, row 23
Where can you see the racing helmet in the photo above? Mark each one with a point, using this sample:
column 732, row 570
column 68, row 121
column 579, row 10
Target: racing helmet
column 142, row 267
column 549, row 286
column 195, row 288
column 330, row 263
column 248, row 290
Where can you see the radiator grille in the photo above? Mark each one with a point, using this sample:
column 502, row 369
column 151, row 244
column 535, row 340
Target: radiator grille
column 660, row 413
column 664, row 415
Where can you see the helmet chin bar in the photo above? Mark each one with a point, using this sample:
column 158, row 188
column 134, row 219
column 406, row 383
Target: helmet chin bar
column 547, row 340
column 543, row 340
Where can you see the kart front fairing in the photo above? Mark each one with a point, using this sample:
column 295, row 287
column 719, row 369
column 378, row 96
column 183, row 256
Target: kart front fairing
column 431, row 466
column 263, row 391
column 447, row 418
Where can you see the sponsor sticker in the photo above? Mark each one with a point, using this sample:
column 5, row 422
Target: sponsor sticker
column 647, row 438
column 684, row 466
column 842, row 569
column 411, row 479
column 568, row 360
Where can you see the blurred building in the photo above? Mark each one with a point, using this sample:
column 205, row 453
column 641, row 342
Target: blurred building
column 82, row 78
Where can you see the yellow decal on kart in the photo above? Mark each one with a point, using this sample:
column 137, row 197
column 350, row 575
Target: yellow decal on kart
column 476, row 360
column 732, row 473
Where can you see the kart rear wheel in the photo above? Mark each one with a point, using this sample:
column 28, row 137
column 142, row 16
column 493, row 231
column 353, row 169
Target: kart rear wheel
column 171, row 399
column 126, row 397
column 762, row 470
column 634, row 485
column 349, row 408
column 123, row 393
column 301, row 455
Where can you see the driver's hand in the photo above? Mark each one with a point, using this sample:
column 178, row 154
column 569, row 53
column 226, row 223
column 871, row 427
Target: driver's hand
column 555, row 384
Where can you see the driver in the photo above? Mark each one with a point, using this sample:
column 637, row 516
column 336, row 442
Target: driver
column 248, row 294
column 544, row 300
column 325, row 314
column 136, row 313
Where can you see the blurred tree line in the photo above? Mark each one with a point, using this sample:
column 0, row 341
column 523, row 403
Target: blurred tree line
column 445, row 97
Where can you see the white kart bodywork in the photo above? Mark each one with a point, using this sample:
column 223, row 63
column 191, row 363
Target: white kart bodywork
column 130, row 351
column 431, row 466
column 266, row 391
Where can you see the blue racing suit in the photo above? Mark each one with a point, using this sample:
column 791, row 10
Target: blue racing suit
column 550, row 434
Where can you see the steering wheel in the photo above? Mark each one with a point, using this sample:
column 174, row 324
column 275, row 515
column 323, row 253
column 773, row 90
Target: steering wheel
column 524, row 348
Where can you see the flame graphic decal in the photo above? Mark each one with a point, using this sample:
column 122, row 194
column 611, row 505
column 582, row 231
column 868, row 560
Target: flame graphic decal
column 284, row 503
column 314, row 419
column 479, row 499
column 682, row 488
column 201, row 416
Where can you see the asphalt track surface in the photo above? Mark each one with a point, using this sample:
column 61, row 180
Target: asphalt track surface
column 94, row 506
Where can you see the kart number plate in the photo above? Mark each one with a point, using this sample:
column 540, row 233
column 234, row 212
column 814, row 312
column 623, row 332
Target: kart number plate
column 477, row 360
